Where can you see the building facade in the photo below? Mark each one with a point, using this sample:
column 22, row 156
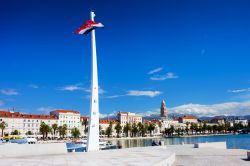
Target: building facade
column 69, row 117
column 189, row 119
column 128, row 117
column 25, row 122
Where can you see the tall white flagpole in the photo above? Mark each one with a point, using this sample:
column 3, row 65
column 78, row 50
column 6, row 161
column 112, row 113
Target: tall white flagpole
column 93, row 127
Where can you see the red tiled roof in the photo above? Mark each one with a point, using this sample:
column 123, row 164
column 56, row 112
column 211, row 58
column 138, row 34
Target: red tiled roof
column 66, row 111
column 7, row 114
column 104, row 121
column 188, row 117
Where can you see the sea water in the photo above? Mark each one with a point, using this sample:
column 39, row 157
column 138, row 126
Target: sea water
column 233, row 141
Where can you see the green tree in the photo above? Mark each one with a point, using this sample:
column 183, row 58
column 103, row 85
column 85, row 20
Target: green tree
column 134, row 130
column 75, row 132
column 3, row 125
column 187, row 128
column 118, row 129
column 29, row 133
column 62, row 130
column 109, row 129
column 86, row 130
column 127, row 129
column 204, row 127
column 151, row 128
column 171, row 130
column 85, row 123
column 15, row 132
column 215, row 128
column 43, row 129
column 55, row 128
column 209, row 129
column 100, row 130
column 178, row 131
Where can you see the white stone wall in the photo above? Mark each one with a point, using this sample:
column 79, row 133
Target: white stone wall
column 23, row 125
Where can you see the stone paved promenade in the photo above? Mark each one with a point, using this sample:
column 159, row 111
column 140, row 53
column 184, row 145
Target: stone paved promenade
column 147, row 156
column 186, row 155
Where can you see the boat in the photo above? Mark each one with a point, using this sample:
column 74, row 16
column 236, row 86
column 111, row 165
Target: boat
column 81, row 145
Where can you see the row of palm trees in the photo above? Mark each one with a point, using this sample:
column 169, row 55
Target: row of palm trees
column 131, row 130
column 61, row 130
column 203, row 128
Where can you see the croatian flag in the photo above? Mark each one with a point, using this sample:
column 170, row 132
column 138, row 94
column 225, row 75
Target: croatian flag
column 88, row 26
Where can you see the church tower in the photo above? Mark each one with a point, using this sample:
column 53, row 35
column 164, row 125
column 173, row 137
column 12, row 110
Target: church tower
column 164, row 111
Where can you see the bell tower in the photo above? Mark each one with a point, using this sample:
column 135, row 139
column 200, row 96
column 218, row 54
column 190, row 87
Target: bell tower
column 164, row 111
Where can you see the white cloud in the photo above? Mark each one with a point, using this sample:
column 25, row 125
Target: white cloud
column 78, row 87
column 228, row 108
column 114, row 96
column 155, row 112
column 239, row 90
column 100, row 90
column 155, row 70
column 72, row 88
column 1, row 103
column 164, row 77
column 45, row 110
column 143, row 93
column 33, row 86
column 9, row 92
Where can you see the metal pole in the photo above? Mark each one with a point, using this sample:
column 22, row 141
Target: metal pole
column 93, row 127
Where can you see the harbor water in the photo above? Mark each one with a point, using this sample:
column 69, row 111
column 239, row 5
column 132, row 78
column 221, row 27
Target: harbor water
column 233, row 141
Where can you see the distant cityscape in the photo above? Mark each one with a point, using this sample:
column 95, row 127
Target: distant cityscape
column 63, row 123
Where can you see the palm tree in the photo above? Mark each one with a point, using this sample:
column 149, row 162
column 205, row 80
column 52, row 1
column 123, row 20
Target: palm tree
column 118, row 129
column 100, row 130
column 151, row 128
column 43, row 129
column 29, row 133
column 204, row 127
column 86, row 130
column 64, row 129
column 209, row 129
column 109, row 130
column 54, row 127
column 15, row 132
column 171, row 130
column 140, row 128
column 127, row 128
column 178, row 131
column 3, row 125
column 134, row 130
column 215, row 128
column 85, row 123
column 75, row 132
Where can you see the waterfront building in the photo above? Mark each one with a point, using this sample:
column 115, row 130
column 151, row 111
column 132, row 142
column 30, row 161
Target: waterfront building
column 25, row 122
column 104, row 124
column 69, row 117
column 189, row 119
column 218, row 120
column 128, row 117
column 244, row 122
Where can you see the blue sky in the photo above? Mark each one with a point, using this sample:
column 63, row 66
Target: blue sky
column 193, row 54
